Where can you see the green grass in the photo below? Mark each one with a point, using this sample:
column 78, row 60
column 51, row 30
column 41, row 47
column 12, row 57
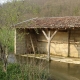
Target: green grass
column 23, row 72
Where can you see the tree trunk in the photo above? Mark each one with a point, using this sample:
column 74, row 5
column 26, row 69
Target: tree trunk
column 5, row 58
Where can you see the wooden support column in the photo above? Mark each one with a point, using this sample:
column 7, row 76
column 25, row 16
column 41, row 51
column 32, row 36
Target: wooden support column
column 49, row 43
column 49, row 38
column 32, row 44
column 69, row 32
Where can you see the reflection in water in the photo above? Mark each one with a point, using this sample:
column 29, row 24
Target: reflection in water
column 11, row 58
column 57, row 70
column 65, row 71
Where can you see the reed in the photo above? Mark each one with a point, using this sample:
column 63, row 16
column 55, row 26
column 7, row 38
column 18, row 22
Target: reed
column 25, row 71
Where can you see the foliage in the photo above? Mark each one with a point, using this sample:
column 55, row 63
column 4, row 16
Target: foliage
column 7, row 37
column 23, row 72
column 16, row 11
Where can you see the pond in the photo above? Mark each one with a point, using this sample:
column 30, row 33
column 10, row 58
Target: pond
column 57, row 70
column 64, row 71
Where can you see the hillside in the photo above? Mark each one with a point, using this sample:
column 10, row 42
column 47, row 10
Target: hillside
column 17, row 11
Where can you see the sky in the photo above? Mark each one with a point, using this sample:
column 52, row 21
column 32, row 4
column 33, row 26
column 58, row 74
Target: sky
column 3, row 1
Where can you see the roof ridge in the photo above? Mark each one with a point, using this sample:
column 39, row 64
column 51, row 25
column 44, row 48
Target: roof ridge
column 25, row 21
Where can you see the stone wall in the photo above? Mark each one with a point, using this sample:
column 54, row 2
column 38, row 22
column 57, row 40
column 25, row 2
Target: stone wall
column 20, row 41
column 59, row 44
column 75, row 43
column 23, row 41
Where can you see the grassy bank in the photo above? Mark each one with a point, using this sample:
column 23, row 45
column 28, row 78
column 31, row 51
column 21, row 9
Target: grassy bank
column 23, row 72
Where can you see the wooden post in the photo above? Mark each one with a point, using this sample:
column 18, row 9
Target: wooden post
column 69, row 43
column 32, row 44
column 49, row 40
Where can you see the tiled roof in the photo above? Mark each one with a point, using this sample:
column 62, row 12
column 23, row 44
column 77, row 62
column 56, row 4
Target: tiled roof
column 51, row 22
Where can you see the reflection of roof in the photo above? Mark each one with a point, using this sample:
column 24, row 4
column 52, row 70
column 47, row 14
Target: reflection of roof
column 51, row 22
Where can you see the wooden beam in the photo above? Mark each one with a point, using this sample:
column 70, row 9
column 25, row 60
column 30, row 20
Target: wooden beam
column 49, row 41
column 43, row 41
column 32, row 45
column 69, row 43
column 45, row 34
column 53, row 34
column 49, row 38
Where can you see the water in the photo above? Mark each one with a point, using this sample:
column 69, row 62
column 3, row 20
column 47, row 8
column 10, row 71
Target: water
column 57, row 70
column 64, row 71
column 12, row 58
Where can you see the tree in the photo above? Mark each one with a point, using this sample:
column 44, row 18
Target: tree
column 7, row 40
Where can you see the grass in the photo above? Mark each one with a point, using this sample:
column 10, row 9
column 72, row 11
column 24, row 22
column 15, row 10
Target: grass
column 24, row 72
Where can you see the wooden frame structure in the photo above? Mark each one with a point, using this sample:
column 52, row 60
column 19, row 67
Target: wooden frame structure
column 49, row 38
column 57, row 23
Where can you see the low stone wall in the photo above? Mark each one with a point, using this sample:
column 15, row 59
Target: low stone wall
column 59, row 44
column 75, row 43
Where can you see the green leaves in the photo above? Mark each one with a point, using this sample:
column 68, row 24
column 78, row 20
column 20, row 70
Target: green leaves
column 7, row 36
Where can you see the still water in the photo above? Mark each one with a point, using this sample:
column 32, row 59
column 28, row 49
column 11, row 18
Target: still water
column 57, row 70
column 64, row 71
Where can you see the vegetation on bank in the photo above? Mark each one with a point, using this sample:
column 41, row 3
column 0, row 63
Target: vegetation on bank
column 23, row 72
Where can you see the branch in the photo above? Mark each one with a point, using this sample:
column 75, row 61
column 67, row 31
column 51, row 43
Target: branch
column 54, row 34
column 45, row 34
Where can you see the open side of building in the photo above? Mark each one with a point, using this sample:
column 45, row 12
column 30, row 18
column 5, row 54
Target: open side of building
column 52, row 35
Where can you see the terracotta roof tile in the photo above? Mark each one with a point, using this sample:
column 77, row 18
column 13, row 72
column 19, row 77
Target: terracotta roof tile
column 51, row 22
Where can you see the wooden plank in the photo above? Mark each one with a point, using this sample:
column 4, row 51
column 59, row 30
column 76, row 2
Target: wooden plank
column 69, row 31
